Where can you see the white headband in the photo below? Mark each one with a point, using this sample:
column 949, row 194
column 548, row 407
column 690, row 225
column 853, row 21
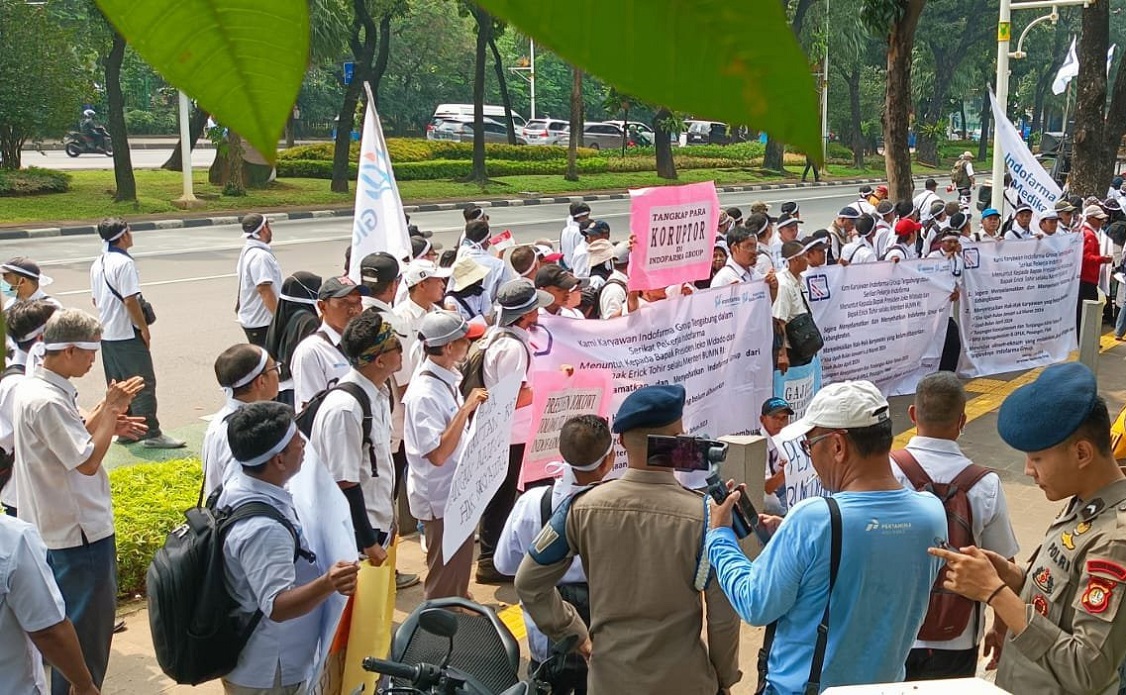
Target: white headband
column 254, row 234
column 78, row 344
column 32, row 335
column 298, row 300
column 592, row 466
column 277, row 448
column 118, row 236
column 254, row 374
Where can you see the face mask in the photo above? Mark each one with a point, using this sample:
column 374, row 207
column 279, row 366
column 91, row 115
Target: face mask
column 8, row 290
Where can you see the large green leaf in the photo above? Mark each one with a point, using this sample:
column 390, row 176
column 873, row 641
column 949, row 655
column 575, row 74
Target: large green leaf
column 728, row 60
column 241, row 60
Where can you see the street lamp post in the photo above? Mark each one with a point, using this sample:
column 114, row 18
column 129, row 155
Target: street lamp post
column 186, row 151
column 1004, row 36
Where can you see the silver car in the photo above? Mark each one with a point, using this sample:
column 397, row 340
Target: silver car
column 460, row 129
column 547, row 131
column 608, row 136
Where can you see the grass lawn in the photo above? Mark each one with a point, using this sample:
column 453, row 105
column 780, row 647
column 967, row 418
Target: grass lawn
column 91, row 192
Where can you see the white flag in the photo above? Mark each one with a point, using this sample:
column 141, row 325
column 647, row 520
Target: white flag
column 1110, row 57
column 1031, row 181
column 379, row 223
column 1067, row 71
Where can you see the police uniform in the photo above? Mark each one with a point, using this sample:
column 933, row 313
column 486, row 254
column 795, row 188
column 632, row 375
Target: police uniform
column 645, row 626
column 1074, row 583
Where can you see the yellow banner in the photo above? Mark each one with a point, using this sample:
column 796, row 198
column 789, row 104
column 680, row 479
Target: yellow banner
column 1004, row 31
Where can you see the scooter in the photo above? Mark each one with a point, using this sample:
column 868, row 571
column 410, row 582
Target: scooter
column 484, row 663
column 75, row 143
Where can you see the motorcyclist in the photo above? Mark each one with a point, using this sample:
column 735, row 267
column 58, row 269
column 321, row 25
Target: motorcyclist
column 94, row 133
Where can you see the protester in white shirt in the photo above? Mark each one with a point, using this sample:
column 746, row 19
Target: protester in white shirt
column 317, row 361
column 863, row 203
column 476, row 246
column 126, row 341
column 950, row 248
column 860, row 249
column 885, row 227
column 434, row 438
column 1048, row 224
column 426, row 286
column 422, row 249
column 592, row 231
column 506, row 352
column 565, row 290
column 259, row 279
column 587, row 451
column 786, row 229
column 259, row 566
column 906, row 232
column 763, row 228
column 1021, row 227
column 927, row 197
column 33, row 618
column 600, row 252
column 466, row 292
column 776, row 414
column 613, row 295
column 962, row 222
column 25, row 322
column 740, row 267
column 840, row 231
column 24, row 282
column 939, row 414
column 247, row 374
column 62, row 488
column 571, row 237
column 990, row 226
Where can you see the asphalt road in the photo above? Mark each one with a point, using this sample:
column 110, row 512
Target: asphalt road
column 142, row 159
column 188, row 275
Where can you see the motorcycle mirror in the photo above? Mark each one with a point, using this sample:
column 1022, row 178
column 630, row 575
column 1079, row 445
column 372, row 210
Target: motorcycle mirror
column 438, row 622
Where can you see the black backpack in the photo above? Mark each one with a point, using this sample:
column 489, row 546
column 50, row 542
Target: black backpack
column 8, row 458
column 195, row 633
column 308, row 414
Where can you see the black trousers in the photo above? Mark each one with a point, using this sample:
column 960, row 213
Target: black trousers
column 256, row 336
column 399, row 457
column 810, row 167
column 570, row 679
column 125, row 359
column 1087, row 290
column 934, row 664
column 951, row 348
column 498, row 509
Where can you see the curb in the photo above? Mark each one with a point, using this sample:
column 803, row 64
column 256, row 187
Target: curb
column 45, row 232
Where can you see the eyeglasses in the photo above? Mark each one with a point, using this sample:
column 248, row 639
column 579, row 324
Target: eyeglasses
column 807, row 443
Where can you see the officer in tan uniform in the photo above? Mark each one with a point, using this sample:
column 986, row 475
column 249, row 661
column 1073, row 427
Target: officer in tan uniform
column 1067, row 633
column 641, row 542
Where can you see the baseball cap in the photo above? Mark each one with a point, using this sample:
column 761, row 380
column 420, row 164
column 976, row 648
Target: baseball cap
column 342, row 286
column 596, row 227
column 443, row 327
column 378, row 267
column 848, row 212
column 555, row 276
column 27, row 268
column 776, row 404
column 621, row 253
column 1023, row 207
column 465, row 272
column 1049, row 215
column 518, row 297
column 907, row 227
column 420, row 270
column 1094, row 211
column 841, row 406
column 1061, row 206
column 992, row 212
column 882, row 189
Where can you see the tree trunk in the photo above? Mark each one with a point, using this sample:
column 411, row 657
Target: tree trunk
column 484, row 33
column 576, row 135
column 897, row 103
column 857, row 135
column 11, row 149
column 666, row 165
column 382, row 57
column 926, row 147
column 1091, row 166
column 799, row 15
column 234, row 185
column 196, row 124
column 986, row 129
column 772, row 159
column 962, row 113
column 122, row 162
column 625, row 128
column 505, row 99
column 362, row 54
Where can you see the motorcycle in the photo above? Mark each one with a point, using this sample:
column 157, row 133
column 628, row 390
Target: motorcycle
column 425, row 660
column 75, row 143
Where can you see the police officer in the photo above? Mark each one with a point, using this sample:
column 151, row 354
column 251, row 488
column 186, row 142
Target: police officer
column 644, row 634
column 1067, row 633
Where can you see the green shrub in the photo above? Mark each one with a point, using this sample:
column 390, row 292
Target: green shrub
column 838, row 151
column 149, row 500
column 313, row 169
column 33, row 181
column 410, row 150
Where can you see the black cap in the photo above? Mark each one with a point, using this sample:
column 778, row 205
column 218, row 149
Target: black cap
column 378, row 268
column 552, row 275
column 597, row 227
column 337, row 287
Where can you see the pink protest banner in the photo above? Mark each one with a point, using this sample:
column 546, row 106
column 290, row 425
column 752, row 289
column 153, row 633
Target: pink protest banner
column 674, row 229
column 556, row 399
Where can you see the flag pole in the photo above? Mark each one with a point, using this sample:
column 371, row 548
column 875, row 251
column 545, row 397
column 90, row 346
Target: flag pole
column 1066, row 108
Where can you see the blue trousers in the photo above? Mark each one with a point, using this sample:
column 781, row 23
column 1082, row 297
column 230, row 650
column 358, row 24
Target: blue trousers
column 87, row 579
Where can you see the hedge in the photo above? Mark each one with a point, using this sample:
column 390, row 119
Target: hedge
column 409, row 150
column 149, row 500
column 33, row 181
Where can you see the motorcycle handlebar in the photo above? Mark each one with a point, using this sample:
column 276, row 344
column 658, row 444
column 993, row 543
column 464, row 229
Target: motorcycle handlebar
column 394, row 669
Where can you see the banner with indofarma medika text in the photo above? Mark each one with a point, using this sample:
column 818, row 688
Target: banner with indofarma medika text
column 674, row 229
column 1031, row 181
column 882, row 322
column 1018, row 304
column 716, row 343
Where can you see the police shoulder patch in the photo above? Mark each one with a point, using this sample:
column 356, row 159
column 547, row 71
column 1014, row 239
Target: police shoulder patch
column 550, row 545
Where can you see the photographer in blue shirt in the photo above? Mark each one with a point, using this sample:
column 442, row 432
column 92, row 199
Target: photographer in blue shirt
column 885, row 575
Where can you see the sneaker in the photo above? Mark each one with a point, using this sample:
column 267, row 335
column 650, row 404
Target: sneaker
column 488, row 574
column 163, row 441
column 125, row 440
column 405, row 581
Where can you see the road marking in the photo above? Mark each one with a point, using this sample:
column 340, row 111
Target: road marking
column 155, row 283
column 513, row 619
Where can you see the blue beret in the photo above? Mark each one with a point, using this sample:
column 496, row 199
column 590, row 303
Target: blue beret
column 1042, row 414
column 650, row 407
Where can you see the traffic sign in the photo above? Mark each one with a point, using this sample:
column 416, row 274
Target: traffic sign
column 349, row 71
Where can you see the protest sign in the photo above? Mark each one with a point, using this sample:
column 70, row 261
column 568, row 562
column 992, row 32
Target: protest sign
column 1018, row 305
column 802, row 481
column 556, row 399
column 1031, row 181
column 502, row 241
column 483, row 465
column 883, row 322
column 716, row 343
column 674, row 229
column 798, row 385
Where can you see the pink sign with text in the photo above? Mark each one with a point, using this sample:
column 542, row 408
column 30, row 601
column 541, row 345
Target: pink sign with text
column 556, row 399
column 674, row 230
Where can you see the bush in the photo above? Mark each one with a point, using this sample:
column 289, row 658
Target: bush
column 410, row 150
column 33, row 181
column 839, row 152
column 139, row 122
column 149, row 500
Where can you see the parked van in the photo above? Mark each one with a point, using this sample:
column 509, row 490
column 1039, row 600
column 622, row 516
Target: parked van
column 451, row 111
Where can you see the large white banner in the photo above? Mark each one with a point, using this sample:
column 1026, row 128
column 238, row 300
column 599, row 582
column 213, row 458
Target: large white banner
column 378, row 223
column 1030, row 180
column 882, row 322
column 1018, row 308
column 716, row 343
column 483, row 465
